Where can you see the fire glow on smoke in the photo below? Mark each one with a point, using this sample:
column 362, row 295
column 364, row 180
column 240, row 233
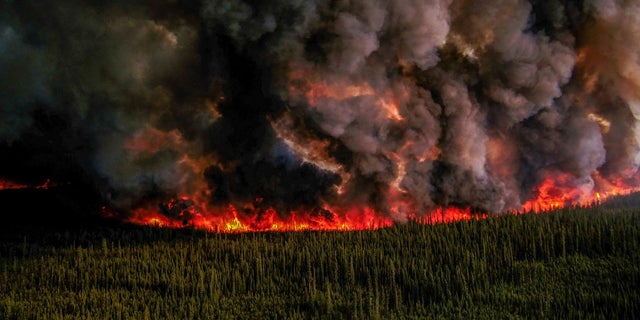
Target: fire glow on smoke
column 285, row 115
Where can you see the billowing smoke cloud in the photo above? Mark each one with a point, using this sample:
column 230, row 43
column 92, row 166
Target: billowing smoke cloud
column 402, row 106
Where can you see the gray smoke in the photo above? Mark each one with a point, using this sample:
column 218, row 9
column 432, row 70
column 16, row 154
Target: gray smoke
column 403, row 106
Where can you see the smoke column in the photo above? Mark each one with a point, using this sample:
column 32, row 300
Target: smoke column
column 400, row 107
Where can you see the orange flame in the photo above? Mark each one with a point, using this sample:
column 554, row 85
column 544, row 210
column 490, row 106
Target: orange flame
column 6, row 184
column 231, row 219
column 557, row 190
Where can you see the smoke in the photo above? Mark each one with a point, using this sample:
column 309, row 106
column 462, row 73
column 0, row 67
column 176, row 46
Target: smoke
column 22, row 84
column 402, row 106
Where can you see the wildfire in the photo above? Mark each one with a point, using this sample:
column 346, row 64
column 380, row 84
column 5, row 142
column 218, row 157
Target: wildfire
column 8, row 184
column 557, row 190
column 232, row 220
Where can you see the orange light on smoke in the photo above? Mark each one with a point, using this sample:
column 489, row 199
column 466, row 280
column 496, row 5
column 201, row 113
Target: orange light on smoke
column 315, row 90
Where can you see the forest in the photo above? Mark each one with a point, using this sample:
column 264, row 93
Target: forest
column 569, row 263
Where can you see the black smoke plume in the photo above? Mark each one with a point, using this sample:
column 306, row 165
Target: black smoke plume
column 297, row 104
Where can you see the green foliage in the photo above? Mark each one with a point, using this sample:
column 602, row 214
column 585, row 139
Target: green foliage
column 573, row 263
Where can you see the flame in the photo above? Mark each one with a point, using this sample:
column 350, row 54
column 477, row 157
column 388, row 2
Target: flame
column 449, row 215
column 307, row 148
column 391, row 105
column 552, row 193
column 303, row 83
column 322, row 90
column 8, row 185
column 557, row 190
column 242, row 219
column 605, row 125
column 231, row 220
